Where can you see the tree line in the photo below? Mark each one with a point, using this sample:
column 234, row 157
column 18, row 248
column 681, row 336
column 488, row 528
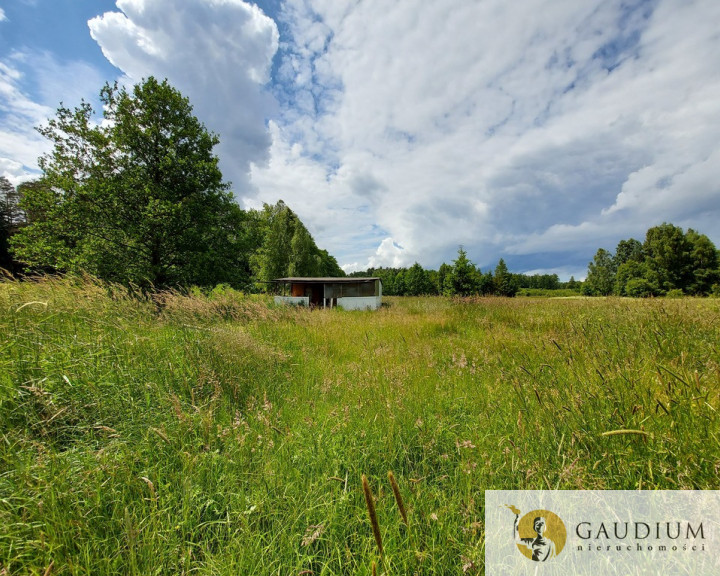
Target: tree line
column 670, row 261
column 462, row 278
column 139, row 199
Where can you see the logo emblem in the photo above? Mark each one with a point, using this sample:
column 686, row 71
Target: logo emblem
column 539, row 535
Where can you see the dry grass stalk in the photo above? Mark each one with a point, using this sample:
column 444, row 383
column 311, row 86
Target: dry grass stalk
column 161, row 434
column 398, row 497
column 312, row 533
column 370, row 503
column 151, row 486
column 621, row 432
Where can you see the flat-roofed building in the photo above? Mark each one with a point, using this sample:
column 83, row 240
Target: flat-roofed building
column 348, row 293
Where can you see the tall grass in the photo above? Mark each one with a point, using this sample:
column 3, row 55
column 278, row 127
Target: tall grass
column 222, row 435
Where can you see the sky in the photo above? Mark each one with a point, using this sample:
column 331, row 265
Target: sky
column 398, row 131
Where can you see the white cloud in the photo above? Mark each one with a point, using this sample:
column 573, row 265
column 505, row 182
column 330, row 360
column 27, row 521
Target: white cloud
column 388, row 255
column 21, row 111
column 218, row 53
column 556, row 128
column 2, row 15
column 538, row 134
column 337, row 216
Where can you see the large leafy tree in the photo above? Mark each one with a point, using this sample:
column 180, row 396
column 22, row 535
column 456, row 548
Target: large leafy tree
column 668, row 257
column 137, row 198
column 704, row 258
column 286, row 248
column 601, row 274
column 417, row 281
column 628, row 251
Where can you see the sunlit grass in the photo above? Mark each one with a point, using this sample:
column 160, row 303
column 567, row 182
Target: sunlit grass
column 222, row 435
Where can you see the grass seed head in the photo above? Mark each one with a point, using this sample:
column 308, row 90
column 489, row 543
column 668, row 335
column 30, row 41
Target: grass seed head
column 398, row 497
column 370, row 503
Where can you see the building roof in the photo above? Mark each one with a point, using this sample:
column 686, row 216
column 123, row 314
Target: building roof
column 343, row 280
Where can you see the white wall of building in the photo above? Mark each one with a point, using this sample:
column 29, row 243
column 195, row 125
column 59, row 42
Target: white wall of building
column 360, row 303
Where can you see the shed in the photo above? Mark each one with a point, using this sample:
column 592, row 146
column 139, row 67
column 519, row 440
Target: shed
column 358, row 293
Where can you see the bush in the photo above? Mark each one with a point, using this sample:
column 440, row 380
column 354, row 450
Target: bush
column 639, row 288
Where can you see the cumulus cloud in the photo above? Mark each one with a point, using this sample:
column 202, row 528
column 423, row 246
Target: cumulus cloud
column 218, row 53
column 388, row 255
column 400, row 130
column 539, row 134
column 21, row 111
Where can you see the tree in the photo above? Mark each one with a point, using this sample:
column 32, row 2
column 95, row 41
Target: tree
column 601, row 274
column 138, row 198
column 272, row 259
column 443, row 277
column 12, row 218
column 329, row 267
column 668, row 257
column 417, row 281
column 634, row 278
column 504, row 282
column 304, row 259
column 7, row 191
column 286, row 248
column 628, row 251
column 704, row 258
column 464, row 278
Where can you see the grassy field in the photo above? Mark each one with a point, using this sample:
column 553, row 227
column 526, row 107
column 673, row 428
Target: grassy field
column 222, row 435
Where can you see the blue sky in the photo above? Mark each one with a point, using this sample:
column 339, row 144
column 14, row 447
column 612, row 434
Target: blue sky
column 401, row 130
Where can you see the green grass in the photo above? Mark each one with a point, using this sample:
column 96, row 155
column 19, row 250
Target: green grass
column 222, row 435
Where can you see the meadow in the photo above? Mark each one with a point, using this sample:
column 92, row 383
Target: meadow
column 219, row 434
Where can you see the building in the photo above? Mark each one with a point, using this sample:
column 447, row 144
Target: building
column 346, row 293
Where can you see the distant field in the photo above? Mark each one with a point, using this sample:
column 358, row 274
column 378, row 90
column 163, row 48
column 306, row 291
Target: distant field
column 222, row 435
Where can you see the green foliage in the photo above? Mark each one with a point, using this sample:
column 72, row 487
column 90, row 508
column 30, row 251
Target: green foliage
column 640, row 287
column 668, row 257
column 137, row 198
column 444, row 273
column 417, row 281
column 705, row 263
column 601, row 274
column 286, row 248
column 7, row 204
column 669, row 260
column 505, row 284
column 628, row 251
column 633, row 278
column 393, row 279
column 464, row 278
column 543, row 281
column 572, row 284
